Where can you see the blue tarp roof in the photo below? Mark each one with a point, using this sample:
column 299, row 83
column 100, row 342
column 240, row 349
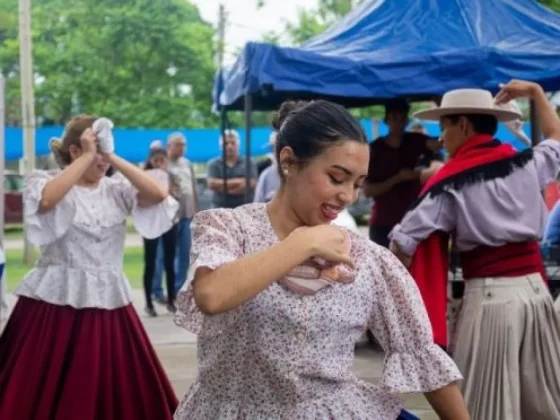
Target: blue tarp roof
column 133, row 144
column 415, row 48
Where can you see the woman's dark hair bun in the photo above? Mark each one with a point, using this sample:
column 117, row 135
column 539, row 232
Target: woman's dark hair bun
column 309, row 128
column 286, row 109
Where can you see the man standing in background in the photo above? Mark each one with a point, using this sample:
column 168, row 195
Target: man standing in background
column 183, row 175
column 234, row 195
column 395, row 174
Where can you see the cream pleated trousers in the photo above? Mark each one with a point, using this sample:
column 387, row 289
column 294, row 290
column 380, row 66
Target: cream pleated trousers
column 506, row 342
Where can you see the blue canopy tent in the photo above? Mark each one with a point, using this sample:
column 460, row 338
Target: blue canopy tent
column 412, row 48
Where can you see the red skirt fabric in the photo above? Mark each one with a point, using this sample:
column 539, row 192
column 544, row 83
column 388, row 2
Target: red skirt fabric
column 58, row 362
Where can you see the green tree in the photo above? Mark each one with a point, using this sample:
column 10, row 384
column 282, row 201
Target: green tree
column 551, row 4
column 143, row 63
column 313, row 21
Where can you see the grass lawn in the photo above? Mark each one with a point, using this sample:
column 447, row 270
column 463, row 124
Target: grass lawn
column 133, row 266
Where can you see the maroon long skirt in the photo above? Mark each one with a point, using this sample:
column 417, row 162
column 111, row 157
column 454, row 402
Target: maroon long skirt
column 57, row 362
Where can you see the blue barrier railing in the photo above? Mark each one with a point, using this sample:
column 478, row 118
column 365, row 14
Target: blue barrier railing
column 203, row 144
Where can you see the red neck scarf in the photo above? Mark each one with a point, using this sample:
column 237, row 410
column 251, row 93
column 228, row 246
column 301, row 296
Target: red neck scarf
column 429, row 265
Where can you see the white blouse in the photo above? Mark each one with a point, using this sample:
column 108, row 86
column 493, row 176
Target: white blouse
column 82, row 242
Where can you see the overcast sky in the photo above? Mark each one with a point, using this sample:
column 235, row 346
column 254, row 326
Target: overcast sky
column 246, row 23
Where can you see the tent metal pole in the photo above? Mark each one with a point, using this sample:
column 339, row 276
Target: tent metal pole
column 248, row 165
column 223, row 118
column 2, row 161
column 3, row 277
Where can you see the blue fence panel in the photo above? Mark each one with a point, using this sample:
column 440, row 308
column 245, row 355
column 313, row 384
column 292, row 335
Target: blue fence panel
column 203, row 144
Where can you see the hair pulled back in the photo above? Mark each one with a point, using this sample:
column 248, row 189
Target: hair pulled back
column 72, row 133
column 309, row 128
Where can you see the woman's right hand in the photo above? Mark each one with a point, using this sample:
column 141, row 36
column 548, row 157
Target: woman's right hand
column 88, row 142
column 325, row 241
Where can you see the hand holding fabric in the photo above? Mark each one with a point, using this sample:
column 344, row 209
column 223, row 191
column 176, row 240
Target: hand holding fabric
column 103, row 129
column 318, row 272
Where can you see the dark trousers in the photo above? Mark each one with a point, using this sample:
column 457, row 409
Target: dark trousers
column 380, row 235
column 169, row 240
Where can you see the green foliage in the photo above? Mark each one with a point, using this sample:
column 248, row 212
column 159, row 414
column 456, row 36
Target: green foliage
column 551, row 4
column 143, row 63
column 312, row 22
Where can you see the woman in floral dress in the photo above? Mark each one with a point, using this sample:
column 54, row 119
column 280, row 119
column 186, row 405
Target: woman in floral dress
column 267, row 351
column 74, row 347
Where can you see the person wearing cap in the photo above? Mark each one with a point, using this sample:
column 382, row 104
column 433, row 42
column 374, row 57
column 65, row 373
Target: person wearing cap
column 394, row 176
column 506, row 340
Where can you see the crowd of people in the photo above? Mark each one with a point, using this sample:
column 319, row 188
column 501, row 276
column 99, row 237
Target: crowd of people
column 170, row 252
column 279, row 291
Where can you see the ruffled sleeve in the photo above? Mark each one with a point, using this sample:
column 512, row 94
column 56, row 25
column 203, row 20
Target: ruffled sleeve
column 150, row 222
column 216, row 240
column 46, row 227
column 413, row 363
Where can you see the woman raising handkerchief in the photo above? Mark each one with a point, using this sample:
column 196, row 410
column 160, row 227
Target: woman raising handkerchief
column 267, row 350
column 74, row 347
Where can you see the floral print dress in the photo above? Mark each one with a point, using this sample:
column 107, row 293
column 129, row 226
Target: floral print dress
column 282, row 355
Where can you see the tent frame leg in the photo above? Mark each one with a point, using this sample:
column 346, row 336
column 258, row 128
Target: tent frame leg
column 248, row 128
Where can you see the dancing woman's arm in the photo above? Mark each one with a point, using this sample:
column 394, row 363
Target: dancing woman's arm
column 233, row 284
column 55, row 189
column 149, row 191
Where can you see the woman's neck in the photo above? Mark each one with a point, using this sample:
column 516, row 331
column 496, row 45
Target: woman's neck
column 283, row 219
column 88, row 183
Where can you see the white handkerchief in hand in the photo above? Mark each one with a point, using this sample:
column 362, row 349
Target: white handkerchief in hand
column 103, row 128
column 515, row 127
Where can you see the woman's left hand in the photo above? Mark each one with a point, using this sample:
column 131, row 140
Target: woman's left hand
column 103, row 129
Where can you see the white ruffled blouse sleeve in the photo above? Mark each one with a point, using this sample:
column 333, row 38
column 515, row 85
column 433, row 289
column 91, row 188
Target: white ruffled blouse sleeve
column 217, row 240
column 45, row 227
column 413, row 363
column 150, row 222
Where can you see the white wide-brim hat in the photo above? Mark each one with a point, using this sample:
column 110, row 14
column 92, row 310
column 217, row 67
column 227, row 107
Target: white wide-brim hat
column 469, row 101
